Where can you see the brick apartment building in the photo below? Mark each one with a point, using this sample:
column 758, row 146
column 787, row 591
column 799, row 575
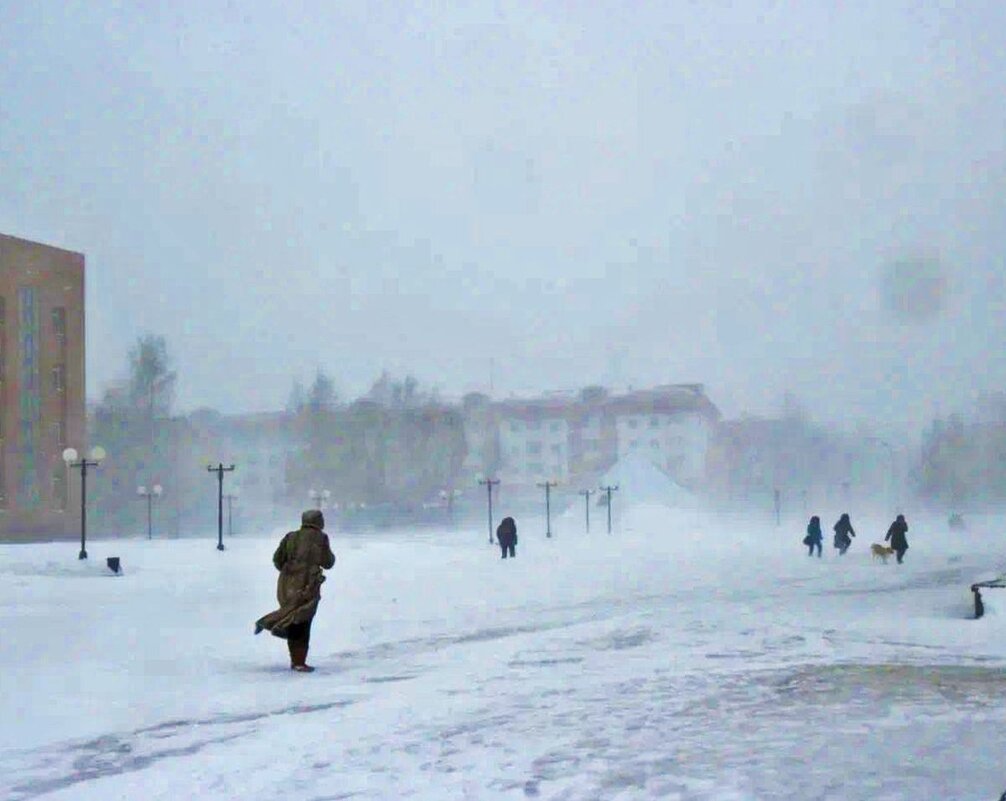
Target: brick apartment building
column 41, row 387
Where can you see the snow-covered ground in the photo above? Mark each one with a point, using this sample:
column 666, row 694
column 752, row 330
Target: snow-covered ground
column 684, row 657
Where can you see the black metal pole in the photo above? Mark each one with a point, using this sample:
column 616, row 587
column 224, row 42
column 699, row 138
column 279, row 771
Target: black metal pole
column 83, row 509
column 150, row 525
column 609, row 510
column 548, row 508
column 489, row 487
column 609, row 489
column 220, row 470
column 548, row 512
column 220, row 508
column 489, row 482
column 586, row 506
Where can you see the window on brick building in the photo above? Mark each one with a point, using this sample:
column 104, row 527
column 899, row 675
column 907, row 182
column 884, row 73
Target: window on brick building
column 59, row 434
column 58, row 378
column 59, row 322
column 59, row 495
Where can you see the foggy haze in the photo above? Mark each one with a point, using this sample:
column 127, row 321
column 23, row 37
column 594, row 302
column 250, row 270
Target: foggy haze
column 706, row 194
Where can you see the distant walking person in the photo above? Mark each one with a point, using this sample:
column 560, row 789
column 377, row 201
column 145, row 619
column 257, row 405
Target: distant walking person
column 506, row 536
column 300, row 557
column 896, row 534
column 843, row 534
column 814, row 536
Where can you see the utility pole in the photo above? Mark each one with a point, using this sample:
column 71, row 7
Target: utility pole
column 489, row 483
column 548, row 506
column 586, row 506
column 609, row 489
column 220, row 470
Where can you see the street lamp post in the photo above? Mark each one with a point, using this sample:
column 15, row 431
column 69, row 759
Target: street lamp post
column 489, row 483
column 220, row 470
column 154, row 492
column 548, row 506
column 70, row 457
column 609, row 489
column 586, row 506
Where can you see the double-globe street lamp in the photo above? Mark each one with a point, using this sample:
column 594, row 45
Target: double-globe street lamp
column 154, row 492
column 96, row 455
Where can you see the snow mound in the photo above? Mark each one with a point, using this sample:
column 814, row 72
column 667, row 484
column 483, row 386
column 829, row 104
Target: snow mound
column 640, row 481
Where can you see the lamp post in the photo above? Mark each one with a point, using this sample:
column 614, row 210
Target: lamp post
column 70, row 457
column 609, row 489
column 548, row 506
column 319, row 498
column 154, row 492
column 220, row 470
column 489, row 483
column 231, row 497
column 448, row 497
column 586, row 506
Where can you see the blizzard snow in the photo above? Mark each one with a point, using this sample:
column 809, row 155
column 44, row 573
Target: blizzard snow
column 684, row 657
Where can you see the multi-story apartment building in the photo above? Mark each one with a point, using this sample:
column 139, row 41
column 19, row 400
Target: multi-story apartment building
column 572, row 437
column 41, row 387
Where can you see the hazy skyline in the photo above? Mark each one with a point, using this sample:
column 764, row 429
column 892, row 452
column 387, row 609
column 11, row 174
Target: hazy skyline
column 700, row 193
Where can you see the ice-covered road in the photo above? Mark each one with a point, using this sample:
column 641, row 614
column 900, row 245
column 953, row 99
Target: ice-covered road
column 684, row 658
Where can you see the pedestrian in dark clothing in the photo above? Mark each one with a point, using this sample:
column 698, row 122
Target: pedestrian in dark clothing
column 506, row 536
column 814, row 536
column 300, row 558
column 843, row 534
column 896, row 534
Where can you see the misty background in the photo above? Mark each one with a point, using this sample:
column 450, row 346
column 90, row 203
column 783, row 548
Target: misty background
column 701, row 192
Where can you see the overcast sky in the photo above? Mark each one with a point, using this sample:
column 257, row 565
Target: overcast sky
column 707, row 192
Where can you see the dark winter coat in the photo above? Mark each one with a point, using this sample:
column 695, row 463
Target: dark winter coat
column 506, row 532
column 814, row 535
column 843, row 532
column 300, row 557
column 896, row 534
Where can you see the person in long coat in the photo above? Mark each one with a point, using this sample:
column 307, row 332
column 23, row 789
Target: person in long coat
column 814, row 536
column 300, row 558
column 506, row 536
column 896, row 534
column 843, row 534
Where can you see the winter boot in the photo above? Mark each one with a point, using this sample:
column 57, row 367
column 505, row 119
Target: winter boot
column 298, row 658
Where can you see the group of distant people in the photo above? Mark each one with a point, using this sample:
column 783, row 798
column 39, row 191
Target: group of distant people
column 844, row 532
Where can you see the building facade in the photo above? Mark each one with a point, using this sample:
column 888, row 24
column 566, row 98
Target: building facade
column 41, row 387
column 574, row 437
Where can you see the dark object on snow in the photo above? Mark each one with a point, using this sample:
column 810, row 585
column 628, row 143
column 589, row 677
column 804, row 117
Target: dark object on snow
column 814, row 536
column 999, row 583
column 300, row 558
column 896, row 534
column 844, row 533
column 506, row 536
column 956, row 520
column 113, row 564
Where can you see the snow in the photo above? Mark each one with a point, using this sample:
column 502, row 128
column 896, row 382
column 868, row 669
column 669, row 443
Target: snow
column 685, row 657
